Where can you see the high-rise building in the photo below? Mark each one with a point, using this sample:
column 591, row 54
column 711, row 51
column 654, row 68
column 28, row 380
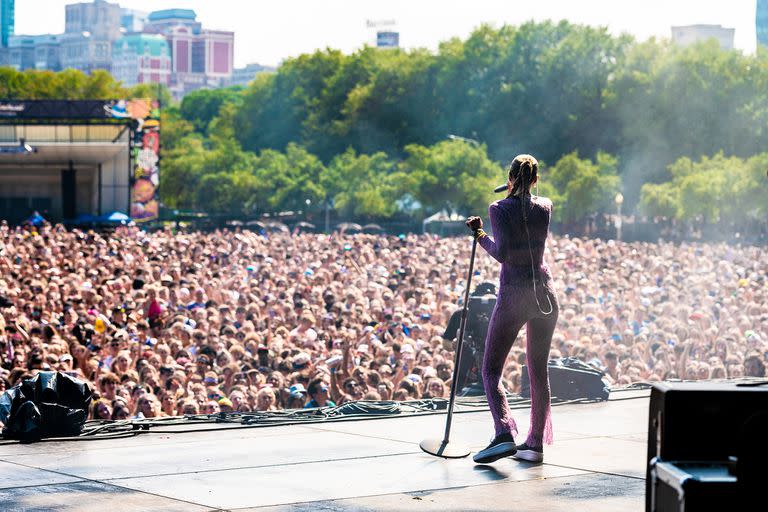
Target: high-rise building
column 6, row 21
column 387, row 39
column 163, row 21
column 32, row 52
column 387, row 35
column 21, row 52
column 85, row 52
column 692, row 34
column 100, row 19
column 132, row 21
column 140, row 59
column 761, row 23
column 48, row 52
column 201, row 58
column 89, row 30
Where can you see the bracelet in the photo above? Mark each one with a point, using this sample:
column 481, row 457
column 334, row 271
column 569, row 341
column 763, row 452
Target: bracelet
column 480, row 234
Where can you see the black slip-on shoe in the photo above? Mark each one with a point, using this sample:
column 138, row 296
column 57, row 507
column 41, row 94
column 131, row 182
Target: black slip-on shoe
column 528, row 453
column 502, row 446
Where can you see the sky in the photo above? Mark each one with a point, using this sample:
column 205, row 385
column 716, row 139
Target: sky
column 268, row 31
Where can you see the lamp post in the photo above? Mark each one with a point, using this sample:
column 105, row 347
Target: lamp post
column 327, row 213
column 619, row 199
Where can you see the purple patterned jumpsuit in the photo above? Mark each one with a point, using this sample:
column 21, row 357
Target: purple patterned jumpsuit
column 517, row 306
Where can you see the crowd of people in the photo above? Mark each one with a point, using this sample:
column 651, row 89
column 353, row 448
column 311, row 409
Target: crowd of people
column 165, row 323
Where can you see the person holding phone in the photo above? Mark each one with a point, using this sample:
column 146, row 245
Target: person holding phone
column 527, row 297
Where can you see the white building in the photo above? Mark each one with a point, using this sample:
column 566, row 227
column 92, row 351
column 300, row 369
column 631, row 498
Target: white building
column 244, row 76
column 691, row 34
column 133, row 21
column 99, row 18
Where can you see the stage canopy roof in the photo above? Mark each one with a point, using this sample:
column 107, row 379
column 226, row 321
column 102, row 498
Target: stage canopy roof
column 56, row 144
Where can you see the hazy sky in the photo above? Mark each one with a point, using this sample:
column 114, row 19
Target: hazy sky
column 267, row 31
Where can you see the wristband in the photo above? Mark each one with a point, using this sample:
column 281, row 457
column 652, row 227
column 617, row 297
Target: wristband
column 480, row 234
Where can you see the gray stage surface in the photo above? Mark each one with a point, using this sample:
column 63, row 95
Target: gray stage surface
column 597, row 463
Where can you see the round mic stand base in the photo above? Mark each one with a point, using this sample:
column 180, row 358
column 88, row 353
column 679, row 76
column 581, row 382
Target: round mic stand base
column 442, row 447
column 445, row 449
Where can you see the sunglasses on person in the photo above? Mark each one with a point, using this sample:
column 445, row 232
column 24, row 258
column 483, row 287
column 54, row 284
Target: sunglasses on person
column 351, row 385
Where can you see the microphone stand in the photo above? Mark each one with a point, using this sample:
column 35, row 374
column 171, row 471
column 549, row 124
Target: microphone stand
column 442, row 447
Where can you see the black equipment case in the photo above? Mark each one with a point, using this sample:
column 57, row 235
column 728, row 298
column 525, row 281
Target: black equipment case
column 707, row 446
column 693, row 486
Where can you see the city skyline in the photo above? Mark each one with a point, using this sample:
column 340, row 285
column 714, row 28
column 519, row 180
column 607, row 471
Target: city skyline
column 269, row 32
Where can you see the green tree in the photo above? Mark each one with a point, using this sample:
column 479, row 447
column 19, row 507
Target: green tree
column 230, row 193
column 712, row 189
column 364, row 185
column 389, row 108
column 584, row 186
column 659, row 200
column 750, row 195
column 173, row 128
column 276, row 105
column 198, row 173
column 452, row 175
column 202, row 106
column 69, row 84
column 673, row 102
column 182, row 167
column 287, row 180
column 153, row 91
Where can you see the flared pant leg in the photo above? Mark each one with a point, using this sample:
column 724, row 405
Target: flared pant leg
column 516, row 307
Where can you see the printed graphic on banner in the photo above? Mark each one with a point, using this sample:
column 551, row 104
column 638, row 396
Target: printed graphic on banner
column 146, row 155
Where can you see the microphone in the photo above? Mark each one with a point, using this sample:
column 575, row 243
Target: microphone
column 500, row 188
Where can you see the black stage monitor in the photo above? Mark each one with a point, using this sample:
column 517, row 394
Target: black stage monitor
column 718, row 423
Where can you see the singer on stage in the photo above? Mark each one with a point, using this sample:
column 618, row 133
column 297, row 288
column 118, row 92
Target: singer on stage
column 526, row 296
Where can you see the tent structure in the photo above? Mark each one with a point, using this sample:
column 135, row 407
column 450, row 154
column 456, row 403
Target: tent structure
column 109, row 219
column 372, row 228
column 274, row 225
column 347, row 227
column 114, row 218
column 255, row 224
column 444, row 223
column 304, row 226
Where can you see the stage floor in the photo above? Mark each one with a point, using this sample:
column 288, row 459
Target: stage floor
column 597, row 463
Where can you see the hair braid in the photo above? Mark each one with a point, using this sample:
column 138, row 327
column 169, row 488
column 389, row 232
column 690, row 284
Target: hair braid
column 522, row 173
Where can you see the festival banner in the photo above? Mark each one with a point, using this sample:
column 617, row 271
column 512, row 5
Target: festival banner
column 145, row 155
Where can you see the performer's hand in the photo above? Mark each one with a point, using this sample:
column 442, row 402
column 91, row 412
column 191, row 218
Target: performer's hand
column 474, row 223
